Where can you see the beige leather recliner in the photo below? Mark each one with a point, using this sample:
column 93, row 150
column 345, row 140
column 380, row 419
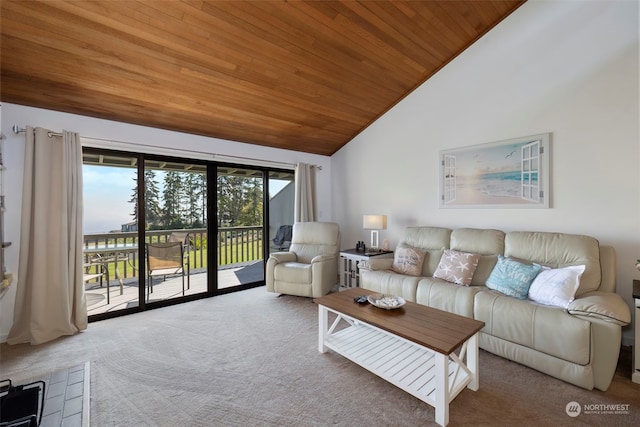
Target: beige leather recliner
column 310, row 267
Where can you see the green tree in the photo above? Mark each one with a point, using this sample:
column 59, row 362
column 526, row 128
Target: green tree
column 239, row 201
column 194, row 191
column 203, row 199
column 230, row 200
column 151, row 199
column 172, row 198
column 251, row 213
column 152, row 210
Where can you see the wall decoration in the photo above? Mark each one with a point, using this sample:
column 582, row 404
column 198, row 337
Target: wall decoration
column 506, row 174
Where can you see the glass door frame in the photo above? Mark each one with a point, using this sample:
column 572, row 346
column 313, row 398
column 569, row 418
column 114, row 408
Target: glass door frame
column 216, row 166
column 211, row 226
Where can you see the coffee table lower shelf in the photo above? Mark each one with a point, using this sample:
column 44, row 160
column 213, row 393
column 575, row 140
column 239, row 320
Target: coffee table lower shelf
column 432, row 377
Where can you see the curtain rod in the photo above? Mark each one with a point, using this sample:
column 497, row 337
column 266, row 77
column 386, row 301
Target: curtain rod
column 17, row 129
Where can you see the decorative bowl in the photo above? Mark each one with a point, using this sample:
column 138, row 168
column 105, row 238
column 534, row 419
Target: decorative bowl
column 387, row 302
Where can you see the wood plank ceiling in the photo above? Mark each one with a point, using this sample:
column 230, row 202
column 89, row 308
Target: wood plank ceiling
column 300, row 75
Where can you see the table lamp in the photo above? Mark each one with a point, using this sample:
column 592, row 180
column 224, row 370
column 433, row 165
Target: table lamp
column 374, row 223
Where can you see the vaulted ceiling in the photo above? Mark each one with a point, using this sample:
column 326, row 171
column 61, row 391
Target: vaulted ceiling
column 300, row 75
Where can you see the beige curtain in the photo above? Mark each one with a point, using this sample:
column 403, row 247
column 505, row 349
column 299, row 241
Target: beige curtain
column 50, row 299
column 305, row 197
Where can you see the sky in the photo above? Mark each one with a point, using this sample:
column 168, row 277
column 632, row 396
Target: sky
column 480, row 160
column 107, row 191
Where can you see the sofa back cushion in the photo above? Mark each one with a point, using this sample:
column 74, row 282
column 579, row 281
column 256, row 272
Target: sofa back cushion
column 485, row 242
column 432, row 240
column 558, row 250
column 311, row 239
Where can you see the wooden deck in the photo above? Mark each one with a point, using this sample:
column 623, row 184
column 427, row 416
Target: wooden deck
column 170, row 288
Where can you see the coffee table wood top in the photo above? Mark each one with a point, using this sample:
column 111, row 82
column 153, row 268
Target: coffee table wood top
column 438, row 330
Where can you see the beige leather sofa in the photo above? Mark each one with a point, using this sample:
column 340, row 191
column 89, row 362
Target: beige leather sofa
column 579, row 344
column 310, row 267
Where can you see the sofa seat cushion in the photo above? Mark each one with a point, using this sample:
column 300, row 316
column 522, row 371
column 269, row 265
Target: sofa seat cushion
column 390, row 282
column 293, row 272
column 443, row 295
column 550, row 330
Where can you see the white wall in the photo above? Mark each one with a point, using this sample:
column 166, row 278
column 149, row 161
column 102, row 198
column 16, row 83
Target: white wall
column 569, row 68
column 279, row 212
column 13, row 156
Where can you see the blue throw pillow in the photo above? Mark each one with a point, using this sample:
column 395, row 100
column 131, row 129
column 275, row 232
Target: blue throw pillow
column 512, row 278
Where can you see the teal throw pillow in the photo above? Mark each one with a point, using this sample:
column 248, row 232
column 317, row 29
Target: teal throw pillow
column 512, row 277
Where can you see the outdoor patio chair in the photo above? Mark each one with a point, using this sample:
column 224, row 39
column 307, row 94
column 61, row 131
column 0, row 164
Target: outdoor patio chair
column 183, row 237
column 283, row 237
column 164, row 259
column 99, row 271
column 99, row 264
column 310, row 267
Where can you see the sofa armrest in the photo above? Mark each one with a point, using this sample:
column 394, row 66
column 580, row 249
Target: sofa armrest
column 280, row 257
column 605, row 306
column 324, row 274
column 376, row 264
column 273, row 260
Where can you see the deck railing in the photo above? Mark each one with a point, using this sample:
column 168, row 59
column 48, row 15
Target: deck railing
column 235, row 245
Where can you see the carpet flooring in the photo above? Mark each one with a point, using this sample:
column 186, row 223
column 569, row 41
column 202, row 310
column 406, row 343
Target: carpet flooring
column 250, row 359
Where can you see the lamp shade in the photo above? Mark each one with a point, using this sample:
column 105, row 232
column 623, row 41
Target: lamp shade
column 374, row 222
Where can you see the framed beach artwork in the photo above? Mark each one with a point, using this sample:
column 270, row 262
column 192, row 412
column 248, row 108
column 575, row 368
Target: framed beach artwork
column 506, row 174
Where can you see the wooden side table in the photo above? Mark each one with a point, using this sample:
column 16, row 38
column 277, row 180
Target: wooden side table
column 349, row 261
column 635, row 377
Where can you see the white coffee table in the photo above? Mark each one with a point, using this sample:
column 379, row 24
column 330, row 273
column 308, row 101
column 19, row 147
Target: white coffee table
column 429, row 353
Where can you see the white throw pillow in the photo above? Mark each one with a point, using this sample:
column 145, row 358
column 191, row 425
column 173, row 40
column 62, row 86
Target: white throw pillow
column 556, row 286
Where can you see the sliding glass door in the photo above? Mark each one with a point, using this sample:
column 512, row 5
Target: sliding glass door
column 111, row 247
column 281, row 197
column 154, row 225
column 175, row 229
column 240, row 227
